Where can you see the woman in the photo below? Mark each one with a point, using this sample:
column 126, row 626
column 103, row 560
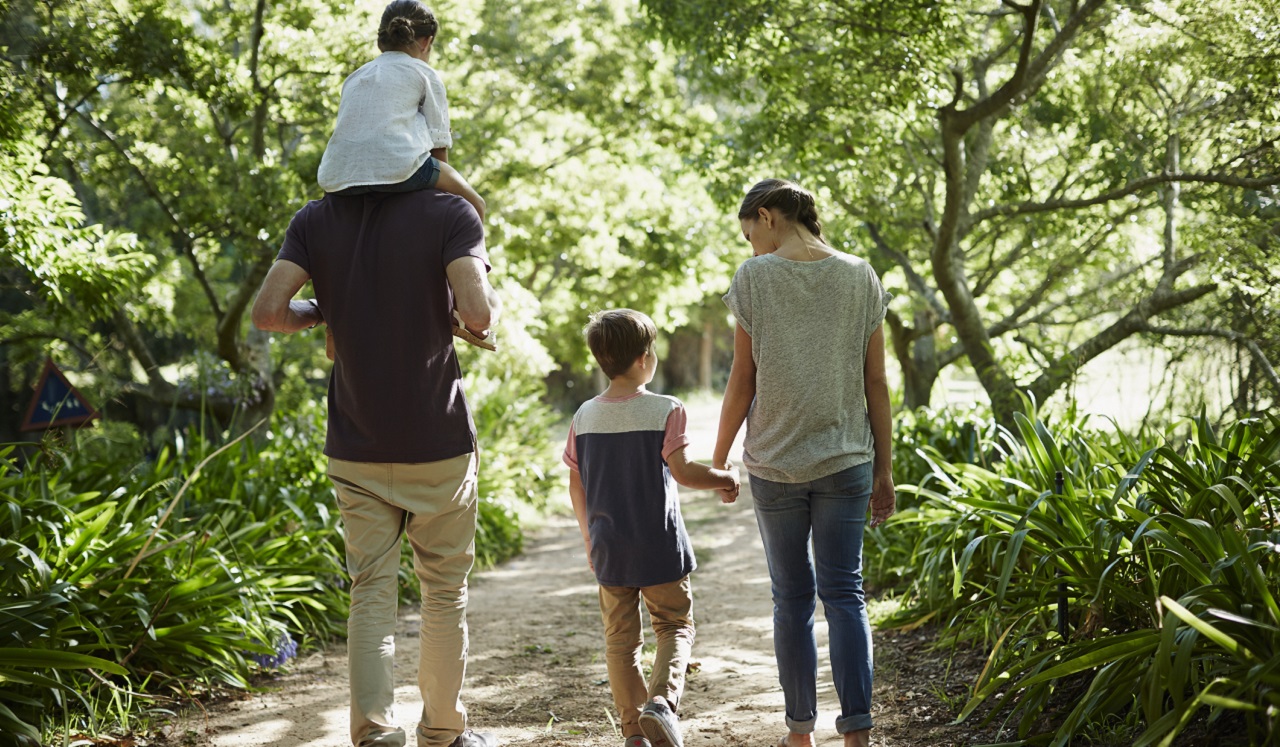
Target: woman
column 808, row 377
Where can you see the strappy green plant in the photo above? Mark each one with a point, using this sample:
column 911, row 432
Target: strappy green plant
column 1169, row 554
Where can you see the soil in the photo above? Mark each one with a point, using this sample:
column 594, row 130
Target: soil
column 536, row 673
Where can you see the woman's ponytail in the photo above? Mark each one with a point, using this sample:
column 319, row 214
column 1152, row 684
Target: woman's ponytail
column 807, row 212
column 790, row 199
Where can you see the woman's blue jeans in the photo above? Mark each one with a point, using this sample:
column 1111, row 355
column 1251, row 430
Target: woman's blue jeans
column 832, row 512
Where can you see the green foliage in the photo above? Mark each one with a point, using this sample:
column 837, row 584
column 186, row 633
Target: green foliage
column 1044, row 193
column 1168, row 556
column 238, row 553
column 49, row 252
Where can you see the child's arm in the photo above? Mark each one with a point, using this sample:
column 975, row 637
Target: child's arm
column 699, row 476
column 578, row 495
column 453, row 182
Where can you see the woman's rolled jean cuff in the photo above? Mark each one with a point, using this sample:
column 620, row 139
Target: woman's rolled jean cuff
column 856, row 722
column 801, row 727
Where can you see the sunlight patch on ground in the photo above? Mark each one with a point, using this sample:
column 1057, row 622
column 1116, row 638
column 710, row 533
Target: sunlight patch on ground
column 592, row 590
column 880, row 610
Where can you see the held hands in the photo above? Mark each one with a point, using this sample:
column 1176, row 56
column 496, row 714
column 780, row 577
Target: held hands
column 730, row 494
column 883, row 500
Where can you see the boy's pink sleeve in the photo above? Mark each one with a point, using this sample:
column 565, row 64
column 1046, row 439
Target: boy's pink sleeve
column 675, row 438
column 571, row 451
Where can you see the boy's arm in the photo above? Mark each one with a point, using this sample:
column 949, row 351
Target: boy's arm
column 578, row 495
column 699, row 476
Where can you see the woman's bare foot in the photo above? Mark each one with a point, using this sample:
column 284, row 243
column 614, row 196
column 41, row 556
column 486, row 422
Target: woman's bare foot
column 861, row 738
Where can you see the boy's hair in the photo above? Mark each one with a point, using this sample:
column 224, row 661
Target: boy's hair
column 403, row 23
column 617, row 337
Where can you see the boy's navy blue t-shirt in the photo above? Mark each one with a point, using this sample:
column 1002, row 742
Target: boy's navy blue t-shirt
column 619, row 447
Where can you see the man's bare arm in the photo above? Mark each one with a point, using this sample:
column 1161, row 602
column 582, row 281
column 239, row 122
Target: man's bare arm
column 476, row 301
column 274, row 310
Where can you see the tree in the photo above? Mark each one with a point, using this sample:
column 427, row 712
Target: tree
column 1014, row 162
column 197, row 127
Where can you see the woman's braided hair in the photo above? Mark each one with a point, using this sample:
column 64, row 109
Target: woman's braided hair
column 403, row 23
column 790, row 199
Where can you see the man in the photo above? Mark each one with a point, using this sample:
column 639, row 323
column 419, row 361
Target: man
column 388, row 271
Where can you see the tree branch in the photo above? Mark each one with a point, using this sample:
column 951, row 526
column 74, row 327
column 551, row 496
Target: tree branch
column 259, row 91
column 229, row 324
column 914, row 280
column 1030, row 73
column 1028, row 208
column 141, row 353
column 1052, row 378
column 179, row 230
column 1012, row 87
column 1226, row 334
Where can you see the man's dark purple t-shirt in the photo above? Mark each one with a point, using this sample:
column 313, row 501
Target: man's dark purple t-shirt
column 377, row 264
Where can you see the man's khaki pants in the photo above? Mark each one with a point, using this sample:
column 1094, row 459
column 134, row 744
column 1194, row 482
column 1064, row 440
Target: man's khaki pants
column 671, row 612
column 435, row 504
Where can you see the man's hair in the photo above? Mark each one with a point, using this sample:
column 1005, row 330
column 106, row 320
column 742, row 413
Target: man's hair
column 617, row 337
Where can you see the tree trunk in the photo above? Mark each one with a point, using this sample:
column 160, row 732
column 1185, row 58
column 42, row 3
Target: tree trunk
column 920, row 371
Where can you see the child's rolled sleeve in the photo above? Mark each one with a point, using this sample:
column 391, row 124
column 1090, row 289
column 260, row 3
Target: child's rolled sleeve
column 570, row 456
column 675, row 438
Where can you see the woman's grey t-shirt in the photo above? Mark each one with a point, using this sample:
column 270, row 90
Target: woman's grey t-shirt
column 809, row 324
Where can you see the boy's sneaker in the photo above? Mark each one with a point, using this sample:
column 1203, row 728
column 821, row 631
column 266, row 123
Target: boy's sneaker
column 636, row 741
column 660, row 725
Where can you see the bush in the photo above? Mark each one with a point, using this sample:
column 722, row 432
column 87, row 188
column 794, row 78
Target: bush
column 202, row 565
column 1169, row 561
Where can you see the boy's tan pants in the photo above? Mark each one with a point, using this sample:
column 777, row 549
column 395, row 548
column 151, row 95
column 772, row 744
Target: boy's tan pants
column 671, row 612
column 435, row 504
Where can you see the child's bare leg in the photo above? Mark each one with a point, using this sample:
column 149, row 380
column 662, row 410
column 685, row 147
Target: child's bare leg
column 453, row 182
column 798, row 740
column 860, row 738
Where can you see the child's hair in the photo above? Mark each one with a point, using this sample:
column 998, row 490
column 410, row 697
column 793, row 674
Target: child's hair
column 617, row 337
column 793, row 201
column 404, row 22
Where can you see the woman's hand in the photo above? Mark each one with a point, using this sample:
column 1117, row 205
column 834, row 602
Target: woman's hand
column 729, row 495
column 884, row 500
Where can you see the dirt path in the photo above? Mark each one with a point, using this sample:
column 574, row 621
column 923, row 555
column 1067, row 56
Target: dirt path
column 536, row 674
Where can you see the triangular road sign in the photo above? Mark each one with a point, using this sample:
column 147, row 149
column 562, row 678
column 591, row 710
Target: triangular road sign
column 56, row 402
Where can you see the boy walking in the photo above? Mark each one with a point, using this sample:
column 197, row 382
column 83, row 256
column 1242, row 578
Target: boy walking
column 626, row 452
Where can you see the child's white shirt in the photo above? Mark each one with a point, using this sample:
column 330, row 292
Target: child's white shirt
column 393, row 112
